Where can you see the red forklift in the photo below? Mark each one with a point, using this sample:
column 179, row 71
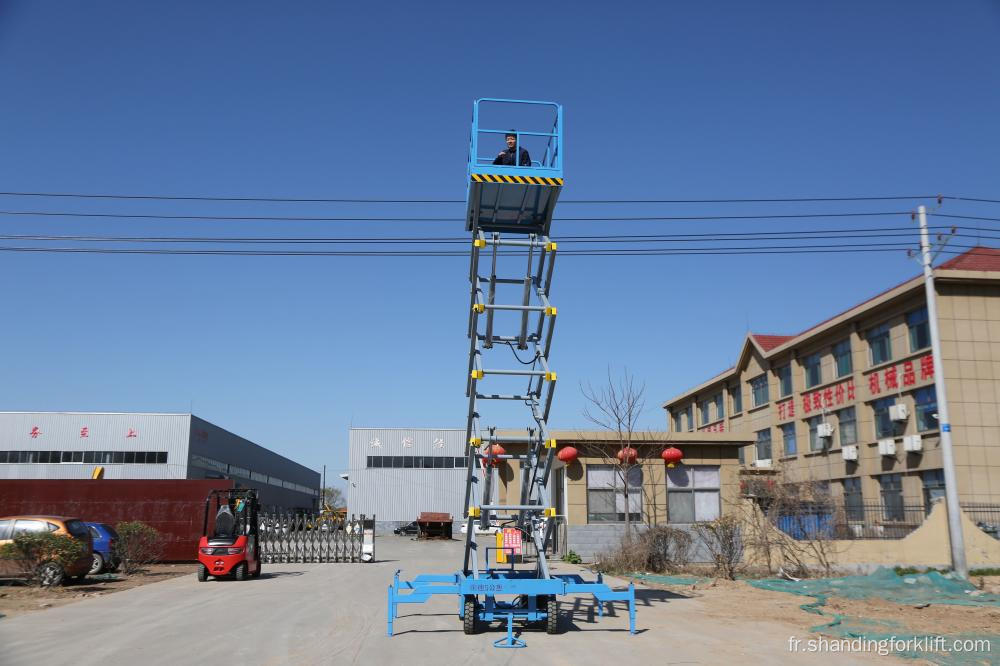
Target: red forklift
column 232, row 546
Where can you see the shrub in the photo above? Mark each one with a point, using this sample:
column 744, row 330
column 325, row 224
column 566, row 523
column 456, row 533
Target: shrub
column 658, row 550
column 138, row 545
column 36, row 552
column 572, row 558
column 724, row 542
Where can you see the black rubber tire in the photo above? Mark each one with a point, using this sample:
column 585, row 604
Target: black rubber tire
column 98, row 565
column 552, row 620
column 202, row 573
column 240, row 572
column 51, row 574
column 470, row 623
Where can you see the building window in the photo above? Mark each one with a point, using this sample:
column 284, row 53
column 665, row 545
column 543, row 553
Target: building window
column 926, row 408
column 853, row 500
column 814, row 372
column 842, row 358
column 933, row 487
column 692, row 493
column 785, row 380
column 705, row 408
column 847, row 426
column 88, row 457
column 764, row 444
column 788, row 439
column 677, row 422
column 606, row 493
column 688, row 415
column 758, row 388
column 879, row 344
column 737, row 395
column 815, row 441
column 720, row 409
column 884, row 426
column 920, row 332
column 892, row 496
column 741, row 455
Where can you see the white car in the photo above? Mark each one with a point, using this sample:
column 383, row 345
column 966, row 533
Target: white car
column 492, row 529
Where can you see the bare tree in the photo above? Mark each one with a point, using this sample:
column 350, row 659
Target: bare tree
column 794, row 524
column 616, row 407
column 333, row 497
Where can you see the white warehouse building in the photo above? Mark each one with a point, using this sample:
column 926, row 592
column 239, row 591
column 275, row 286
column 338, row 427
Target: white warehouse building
column 397, row 473
column 71, row 445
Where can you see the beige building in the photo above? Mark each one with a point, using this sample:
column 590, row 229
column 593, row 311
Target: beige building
column 850, row 405
column 590, row 496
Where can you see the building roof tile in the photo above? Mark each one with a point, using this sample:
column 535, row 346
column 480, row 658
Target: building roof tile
column 769, row 342
column 979, row 258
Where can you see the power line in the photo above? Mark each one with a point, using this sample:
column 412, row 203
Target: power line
column 802, row 249
column 165, row 197
column 972, row 199
column 282, row 218
column 966, row 217
column 831, row 234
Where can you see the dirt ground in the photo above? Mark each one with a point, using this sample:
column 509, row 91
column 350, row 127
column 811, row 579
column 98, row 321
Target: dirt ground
column 727, row 599
column 18, row 599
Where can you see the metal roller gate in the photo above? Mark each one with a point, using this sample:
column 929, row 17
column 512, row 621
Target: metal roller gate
column 295, row 538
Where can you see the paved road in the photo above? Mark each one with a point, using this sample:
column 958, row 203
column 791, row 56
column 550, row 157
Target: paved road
column 335, row 614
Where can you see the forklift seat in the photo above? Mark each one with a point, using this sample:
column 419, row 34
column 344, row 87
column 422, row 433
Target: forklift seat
column 225, row 528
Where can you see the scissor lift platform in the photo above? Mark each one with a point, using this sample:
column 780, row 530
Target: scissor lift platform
column 505, row 200
column 535, row 598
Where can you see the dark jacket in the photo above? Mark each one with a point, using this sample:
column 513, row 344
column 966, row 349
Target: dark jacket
column 506, row 158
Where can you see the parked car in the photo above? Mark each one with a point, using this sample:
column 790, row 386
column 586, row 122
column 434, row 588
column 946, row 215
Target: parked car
column 492, row 529
column 51, row 573
column 409, row 528
column 105, row 538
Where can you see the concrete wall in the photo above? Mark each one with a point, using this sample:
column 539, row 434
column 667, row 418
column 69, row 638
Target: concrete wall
column 927, row 546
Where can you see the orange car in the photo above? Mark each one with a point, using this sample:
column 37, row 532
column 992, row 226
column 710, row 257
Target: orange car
column 50, row 573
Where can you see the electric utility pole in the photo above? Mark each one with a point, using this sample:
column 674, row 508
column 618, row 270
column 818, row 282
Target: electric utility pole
column 955, row 537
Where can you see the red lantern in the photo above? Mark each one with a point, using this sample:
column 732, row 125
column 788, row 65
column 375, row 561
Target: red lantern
column 672, row 455
column 627, row 456
column 567, row 454
column 495, row 450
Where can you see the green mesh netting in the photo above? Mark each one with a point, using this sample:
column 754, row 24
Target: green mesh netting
column 912, row 590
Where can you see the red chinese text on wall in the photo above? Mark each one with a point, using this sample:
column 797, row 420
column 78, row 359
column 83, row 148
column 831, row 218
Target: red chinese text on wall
column 901, row 376
column 714, row 427
column 828, row 397
column 786, row 410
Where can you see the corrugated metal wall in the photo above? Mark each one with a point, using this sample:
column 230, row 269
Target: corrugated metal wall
column 215, row 443
column 180, row 436
column 69, row 431
column 398, row 495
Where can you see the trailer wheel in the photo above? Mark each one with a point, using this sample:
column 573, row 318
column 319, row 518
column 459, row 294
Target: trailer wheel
column 202, row 573
column 552, row 619
column 240, row 572
column 470, row 622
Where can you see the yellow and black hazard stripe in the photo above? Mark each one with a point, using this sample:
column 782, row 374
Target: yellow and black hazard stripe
column 516, row 180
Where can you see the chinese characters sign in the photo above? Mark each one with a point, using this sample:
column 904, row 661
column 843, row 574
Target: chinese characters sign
column 714, row 427
column 786, row 410
column 901, row 376
column 829, row 397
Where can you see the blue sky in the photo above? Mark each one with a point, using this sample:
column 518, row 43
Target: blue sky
column 329, row 100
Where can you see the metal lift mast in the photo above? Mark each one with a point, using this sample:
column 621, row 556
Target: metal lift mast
column 510, row 207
